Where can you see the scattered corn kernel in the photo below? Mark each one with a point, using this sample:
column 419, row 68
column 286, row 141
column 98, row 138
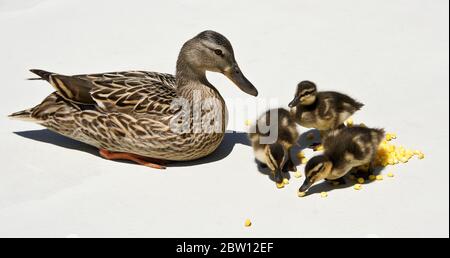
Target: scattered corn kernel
column 357, row 187
column 349, row 122
column 324, row 194
column 390, row 174
column 248, row 223
column 301, row 194
column 318, row 148
column 280, row 185
column 361, row 180
column 301, row 155
column 372, row 177
column 379, row 177
column 303, row 161
column 248, row 122
column 421, row 156
column 297, row 174
column 363, row 125
column 285, row 181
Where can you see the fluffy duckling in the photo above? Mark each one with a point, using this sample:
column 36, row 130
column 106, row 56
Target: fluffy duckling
column 344, row 149
column 272, row 138
column 324, row 110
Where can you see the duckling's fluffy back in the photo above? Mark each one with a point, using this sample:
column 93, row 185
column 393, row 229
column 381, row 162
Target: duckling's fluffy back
column 284, row 125
column 358, row 142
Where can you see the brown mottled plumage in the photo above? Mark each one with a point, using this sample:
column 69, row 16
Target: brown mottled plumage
column 272, row 138
column 325, row 110
column 344, row 149
column 131, row 112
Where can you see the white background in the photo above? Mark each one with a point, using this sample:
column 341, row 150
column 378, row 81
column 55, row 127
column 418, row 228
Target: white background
column 391, row 55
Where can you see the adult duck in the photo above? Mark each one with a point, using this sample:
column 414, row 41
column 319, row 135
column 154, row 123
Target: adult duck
column 146, row 117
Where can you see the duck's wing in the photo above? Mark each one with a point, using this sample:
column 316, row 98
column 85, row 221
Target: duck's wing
column 125, row 92
column 133, row 95
column 163, row 78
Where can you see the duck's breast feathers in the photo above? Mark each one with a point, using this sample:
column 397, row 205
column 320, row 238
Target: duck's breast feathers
column 126, row 92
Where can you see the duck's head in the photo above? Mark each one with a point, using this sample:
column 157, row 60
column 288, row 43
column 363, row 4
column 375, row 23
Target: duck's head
column 317, row 169
column 211, row 51
column 276, row 158
column 305, row 94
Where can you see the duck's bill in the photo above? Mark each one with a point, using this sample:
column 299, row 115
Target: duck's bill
column 294, row 102
column 306, row 185
column 238, row 78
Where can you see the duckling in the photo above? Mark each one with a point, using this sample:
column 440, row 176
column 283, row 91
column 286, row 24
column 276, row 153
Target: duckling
column 324, row 110
column 344, row 149
column 272, row 141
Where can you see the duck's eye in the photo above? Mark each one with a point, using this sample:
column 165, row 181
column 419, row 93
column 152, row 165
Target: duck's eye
column 218, row 52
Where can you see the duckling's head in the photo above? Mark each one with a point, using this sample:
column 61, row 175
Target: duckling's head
column 305, row 94
column 276, row 158
column 317, row 169
column 211, row 51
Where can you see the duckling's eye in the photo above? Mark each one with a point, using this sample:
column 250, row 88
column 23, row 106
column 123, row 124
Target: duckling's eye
column 218, row 52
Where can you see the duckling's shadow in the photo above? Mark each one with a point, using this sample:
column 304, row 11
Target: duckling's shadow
column 328, row 187
column 44, row 135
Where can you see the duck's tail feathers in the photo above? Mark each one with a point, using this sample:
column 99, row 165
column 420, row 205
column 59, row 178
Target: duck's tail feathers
column 43, row 75
column 24, row 115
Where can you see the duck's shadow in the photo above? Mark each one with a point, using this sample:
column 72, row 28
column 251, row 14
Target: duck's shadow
column 230, row 140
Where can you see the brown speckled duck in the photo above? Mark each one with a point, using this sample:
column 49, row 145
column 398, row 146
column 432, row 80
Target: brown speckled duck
column 128, row 115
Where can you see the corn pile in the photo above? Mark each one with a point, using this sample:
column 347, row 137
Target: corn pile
column 390, row 154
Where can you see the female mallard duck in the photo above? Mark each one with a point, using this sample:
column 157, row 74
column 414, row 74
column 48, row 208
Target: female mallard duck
column 325, row 110
column 137, row 115
column 344, row 149
column 272, row 138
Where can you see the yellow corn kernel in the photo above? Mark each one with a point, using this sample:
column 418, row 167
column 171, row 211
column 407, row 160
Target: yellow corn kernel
column 301, row 194
column 297, row 174
column 303, row 161
column 248, row 122
column 285, row 181
column 363, row 125
column 301, row 155
column 324, row 194
column 319, row 148
column 280, row 185
column 379, row 177
column 421, row 156
column 372, row 177
column 361, row 180
column 248, row 223
column 388, row 137
column 349, row 122
column 358, row 187
column 390, row 174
